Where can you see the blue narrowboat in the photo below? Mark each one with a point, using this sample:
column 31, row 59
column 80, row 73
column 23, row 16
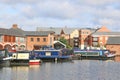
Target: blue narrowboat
column 48, row 55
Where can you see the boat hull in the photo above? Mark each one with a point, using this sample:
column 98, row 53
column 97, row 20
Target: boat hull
column 4, row 63
column 34, row 62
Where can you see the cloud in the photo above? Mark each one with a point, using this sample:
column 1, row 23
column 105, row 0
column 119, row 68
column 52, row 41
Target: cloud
column 11, row 2
column 96, row 2
column 51, row 9
column 60, row 13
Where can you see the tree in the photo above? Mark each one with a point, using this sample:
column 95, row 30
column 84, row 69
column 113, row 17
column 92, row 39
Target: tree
column 64, row 41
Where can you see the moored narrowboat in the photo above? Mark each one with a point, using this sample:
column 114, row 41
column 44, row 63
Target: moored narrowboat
column 51, row 55
column 94, row 54
column 23, row 58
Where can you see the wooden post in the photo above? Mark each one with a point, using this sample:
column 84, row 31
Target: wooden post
column 55, row 59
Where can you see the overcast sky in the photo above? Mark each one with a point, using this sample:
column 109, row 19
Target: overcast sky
column 29, row 14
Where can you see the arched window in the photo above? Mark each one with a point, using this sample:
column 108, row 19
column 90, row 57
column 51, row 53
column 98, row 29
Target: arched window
column 1, row 46
column 7, row 46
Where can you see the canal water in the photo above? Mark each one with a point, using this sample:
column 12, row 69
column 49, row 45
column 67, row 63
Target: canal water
column 75, row 70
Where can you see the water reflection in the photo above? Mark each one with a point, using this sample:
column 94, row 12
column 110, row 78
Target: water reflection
column 76, row 70
column 117, row 58
column 5, row 73
column 20, row 72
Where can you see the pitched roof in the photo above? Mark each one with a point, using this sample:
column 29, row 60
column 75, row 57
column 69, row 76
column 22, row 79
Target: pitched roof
column 3, row 31
column 67, row 30
column 62, row 32
column 19, row 32
column 57, row 30
column 103, row 29
column 16, row 32
column 106, row 33
column 113, row 40
column 37, row 33
column 12, row 31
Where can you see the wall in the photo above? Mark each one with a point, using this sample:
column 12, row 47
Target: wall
column 115, row 48
column 30, row 44
column 10, row 41
column 102, row 39
column 50, row 39
column 84, row 38
column 75, row 33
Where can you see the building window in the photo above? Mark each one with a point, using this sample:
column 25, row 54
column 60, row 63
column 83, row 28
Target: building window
column 16, row 39
column 76, row 40
column 76, row 44
column 32, row 39
column 38, row 39
column 44, row 39
column 95, row 39
column 95, row 44
column 55, row 38
column 22, row 39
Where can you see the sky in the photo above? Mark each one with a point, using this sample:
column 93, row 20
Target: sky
column 29, row 14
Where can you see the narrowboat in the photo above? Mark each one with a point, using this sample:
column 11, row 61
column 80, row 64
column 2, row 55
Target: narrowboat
column 51, row 55
column 93, row 54
column 23, row 58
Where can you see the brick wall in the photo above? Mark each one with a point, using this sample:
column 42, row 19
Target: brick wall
column 115, row 48
column 30, row 44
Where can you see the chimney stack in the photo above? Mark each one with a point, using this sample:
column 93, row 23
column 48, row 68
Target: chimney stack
column 14, row 26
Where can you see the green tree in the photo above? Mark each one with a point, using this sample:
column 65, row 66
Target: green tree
column 64, row 41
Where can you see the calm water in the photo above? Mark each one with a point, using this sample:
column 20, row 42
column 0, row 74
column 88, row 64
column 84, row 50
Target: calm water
column 76, row 70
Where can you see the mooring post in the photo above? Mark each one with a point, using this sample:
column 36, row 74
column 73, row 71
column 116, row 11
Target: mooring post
column 55, row 59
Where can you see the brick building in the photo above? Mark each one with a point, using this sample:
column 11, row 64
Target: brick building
column 113, row 44
column 77, row 37
column 12, row 38
column 81, row 38
column 84, row 37
column 39, row 39
column 98, row 38
column 65, row 32
column 18, row 39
